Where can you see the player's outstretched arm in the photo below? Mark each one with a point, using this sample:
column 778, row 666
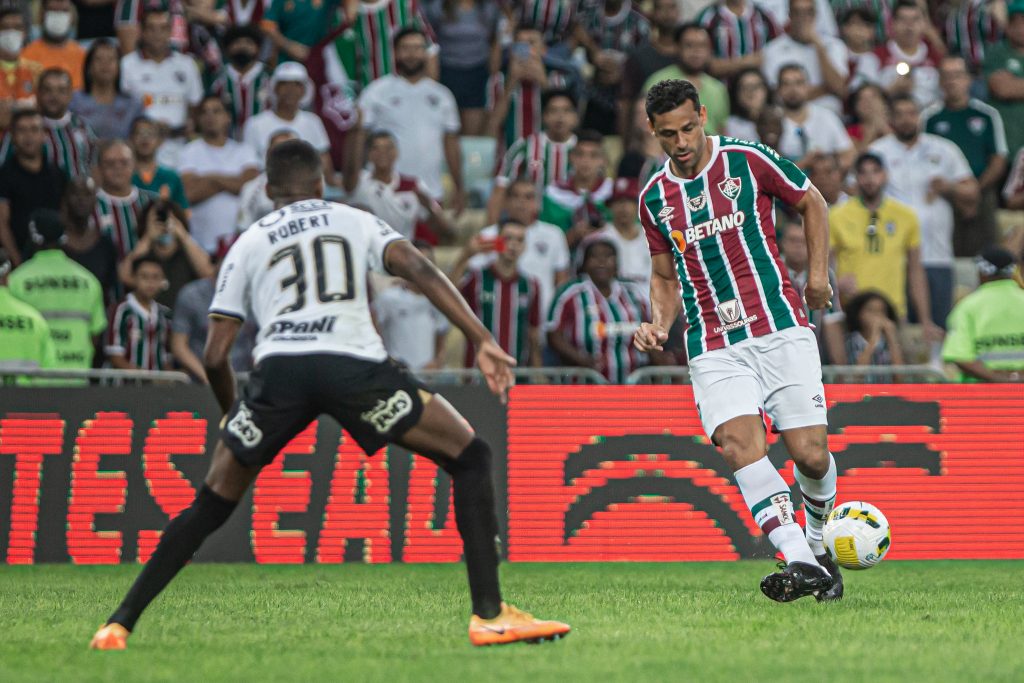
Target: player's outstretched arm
column 404, row 260
column 217, row 359
column 814, row 209
column 665, row 304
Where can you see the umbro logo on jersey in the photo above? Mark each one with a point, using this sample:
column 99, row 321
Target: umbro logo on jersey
column 697, row 203
column 665, row 215
column 730, row 188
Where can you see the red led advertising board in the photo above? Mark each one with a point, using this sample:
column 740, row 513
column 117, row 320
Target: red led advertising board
column 582, row 474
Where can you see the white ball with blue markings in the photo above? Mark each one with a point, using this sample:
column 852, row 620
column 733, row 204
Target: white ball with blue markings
column 857, row 535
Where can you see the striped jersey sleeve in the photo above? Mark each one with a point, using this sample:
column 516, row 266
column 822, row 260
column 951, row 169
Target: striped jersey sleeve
column 512, row 164
column 656, row 241
column 119, row 333
column 779, row 177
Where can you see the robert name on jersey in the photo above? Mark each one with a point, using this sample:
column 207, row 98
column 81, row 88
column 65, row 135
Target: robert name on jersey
column 299, row 224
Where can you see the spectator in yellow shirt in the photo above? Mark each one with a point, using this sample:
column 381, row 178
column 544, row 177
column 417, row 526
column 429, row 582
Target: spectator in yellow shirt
column 876, row 244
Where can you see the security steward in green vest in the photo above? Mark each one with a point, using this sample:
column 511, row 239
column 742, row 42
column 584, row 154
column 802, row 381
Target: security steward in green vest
column 25, row 341
column 985, row 337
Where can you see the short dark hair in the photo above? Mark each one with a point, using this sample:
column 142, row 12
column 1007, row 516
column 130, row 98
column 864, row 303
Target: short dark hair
column 791, row 66
column 18, row 114
column 858, row 303
column 589, row 135
column 665, row 96
column 868, row 158
column 904, row 4
column 903, row 97
column 404, row 33
column 148, row 257
column 241, row 32
column 291, row 161
column 90, row 55
column 142, row 121
column 53, row 71
column 682, row 29
column 861, row 12
column 555, row 93
column 216, row 98
column 377, row 134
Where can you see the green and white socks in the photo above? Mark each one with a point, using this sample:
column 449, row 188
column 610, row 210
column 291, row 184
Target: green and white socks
column 767, row 495
column 819, row 498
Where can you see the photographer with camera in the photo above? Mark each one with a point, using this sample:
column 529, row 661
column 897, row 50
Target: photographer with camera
column 165, row 237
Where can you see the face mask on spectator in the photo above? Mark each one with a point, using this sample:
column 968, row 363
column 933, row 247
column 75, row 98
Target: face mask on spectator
column 241, row 59
column 10, row 40
column 57, row 24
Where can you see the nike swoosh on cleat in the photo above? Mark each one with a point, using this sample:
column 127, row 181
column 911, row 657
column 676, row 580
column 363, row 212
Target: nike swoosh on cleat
column 500, row 631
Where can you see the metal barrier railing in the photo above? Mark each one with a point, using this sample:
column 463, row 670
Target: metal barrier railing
column 103, row 376
column 552, row 375
column 661, row 374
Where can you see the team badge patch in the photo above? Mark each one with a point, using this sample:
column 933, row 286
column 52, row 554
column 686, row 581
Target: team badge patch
column 976, row 125
column 386, row 414
column 697, row 203
column 730, row 188
column 729, row 311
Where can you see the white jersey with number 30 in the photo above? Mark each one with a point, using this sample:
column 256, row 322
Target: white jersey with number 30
column 301, row 273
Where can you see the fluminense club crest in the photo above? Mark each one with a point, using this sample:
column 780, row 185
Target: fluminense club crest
column 730, row 188
column 697, row 203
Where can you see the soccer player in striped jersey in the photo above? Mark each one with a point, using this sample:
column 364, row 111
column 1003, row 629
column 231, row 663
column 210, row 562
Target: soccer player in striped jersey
column 70, row 142
column 244, row 82
column 542, row 157
column 140, row 327
column 503, row 297
column 740, row 29
column 709, row 220
column 592, row 318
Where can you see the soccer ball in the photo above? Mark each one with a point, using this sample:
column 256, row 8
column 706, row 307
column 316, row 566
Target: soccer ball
column 856, row 535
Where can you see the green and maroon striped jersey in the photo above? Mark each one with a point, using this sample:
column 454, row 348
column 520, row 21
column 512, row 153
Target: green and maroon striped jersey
column 601, row 326
column 366, row 49
column 735, row 35
column 69, row 145
column 506, row 307
column 245, row 95
column 719, row 227
column 141, row 334
column 120, row 217
column 538, row 158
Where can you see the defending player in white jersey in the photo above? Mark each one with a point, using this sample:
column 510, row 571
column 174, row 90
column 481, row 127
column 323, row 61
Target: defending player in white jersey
column 301, row 271
column 709, row 218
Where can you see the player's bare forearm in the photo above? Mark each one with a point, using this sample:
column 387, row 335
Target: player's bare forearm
column 917, row 283
column 665, row 301
column 405, row 261
column 217, row 359
column 814, row 210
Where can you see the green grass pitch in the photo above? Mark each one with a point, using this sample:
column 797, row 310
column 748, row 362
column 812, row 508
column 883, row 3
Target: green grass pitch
column 902, row 621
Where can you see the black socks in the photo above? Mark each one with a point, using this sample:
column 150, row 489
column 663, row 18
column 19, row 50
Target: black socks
column 478, row 524
column 179, row 542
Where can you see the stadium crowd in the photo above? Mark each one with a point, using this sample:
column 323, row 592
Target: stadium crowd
column 509, row 140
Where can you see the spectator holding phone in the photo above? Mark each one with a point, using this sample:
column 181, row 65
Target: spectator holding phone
column 167, row 240
column 504, row 298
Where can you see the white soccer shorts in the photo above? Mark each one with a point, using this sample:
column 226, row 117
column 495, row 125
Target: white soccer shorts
column 779, row 373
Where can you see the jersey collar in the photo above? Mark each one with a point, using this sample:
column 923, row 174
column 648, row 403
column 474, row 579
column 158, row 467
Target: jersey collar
column 715, row 147
column 149, row 313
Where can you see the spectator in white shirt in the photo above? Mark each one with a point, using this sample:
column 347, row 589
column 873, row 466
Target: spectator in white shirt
column 907, row 63
column 421, row 114
column 547, row 252
column 167, row 83
column 213, row 169
column 857, row 29
column 399, row 200
column 782, row 12
column 253, row 202
column 930, row 174
column 412, row 329
column 290, row 91
column 625, row 232
column 809, row 129
column 824, row 57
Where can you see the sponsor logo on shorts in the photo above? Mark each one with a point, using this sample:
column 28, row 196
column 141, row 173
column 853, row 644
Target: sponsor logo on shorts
column 386, row 414
column 783, row 508
column 243, row 428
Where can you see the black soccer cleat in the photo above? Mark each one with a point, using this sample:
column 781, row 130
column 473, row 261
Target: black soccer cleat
column 836, row 591
column 795, row 580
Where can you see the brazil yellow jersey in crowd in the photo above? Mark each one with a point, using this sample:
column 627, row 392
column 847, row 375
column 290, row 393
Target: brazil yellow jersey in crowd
column 70, row 299
column 25, row 341
column 873, row 246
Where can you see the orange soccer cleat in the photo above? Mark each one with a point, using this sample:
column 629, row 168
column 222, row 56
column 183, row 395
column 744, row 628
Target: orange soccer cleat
column 513, row 625
column 110, row 637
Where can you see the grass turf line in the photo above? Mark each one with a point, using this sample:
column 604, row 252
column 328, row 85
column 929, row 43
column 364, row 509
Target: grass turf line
column 909, row 621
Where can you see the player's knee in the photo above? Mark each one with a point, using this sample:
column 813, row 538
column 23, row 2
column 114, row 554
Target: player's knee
column 810, row 453
column 740, row 447
column 475, row 458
